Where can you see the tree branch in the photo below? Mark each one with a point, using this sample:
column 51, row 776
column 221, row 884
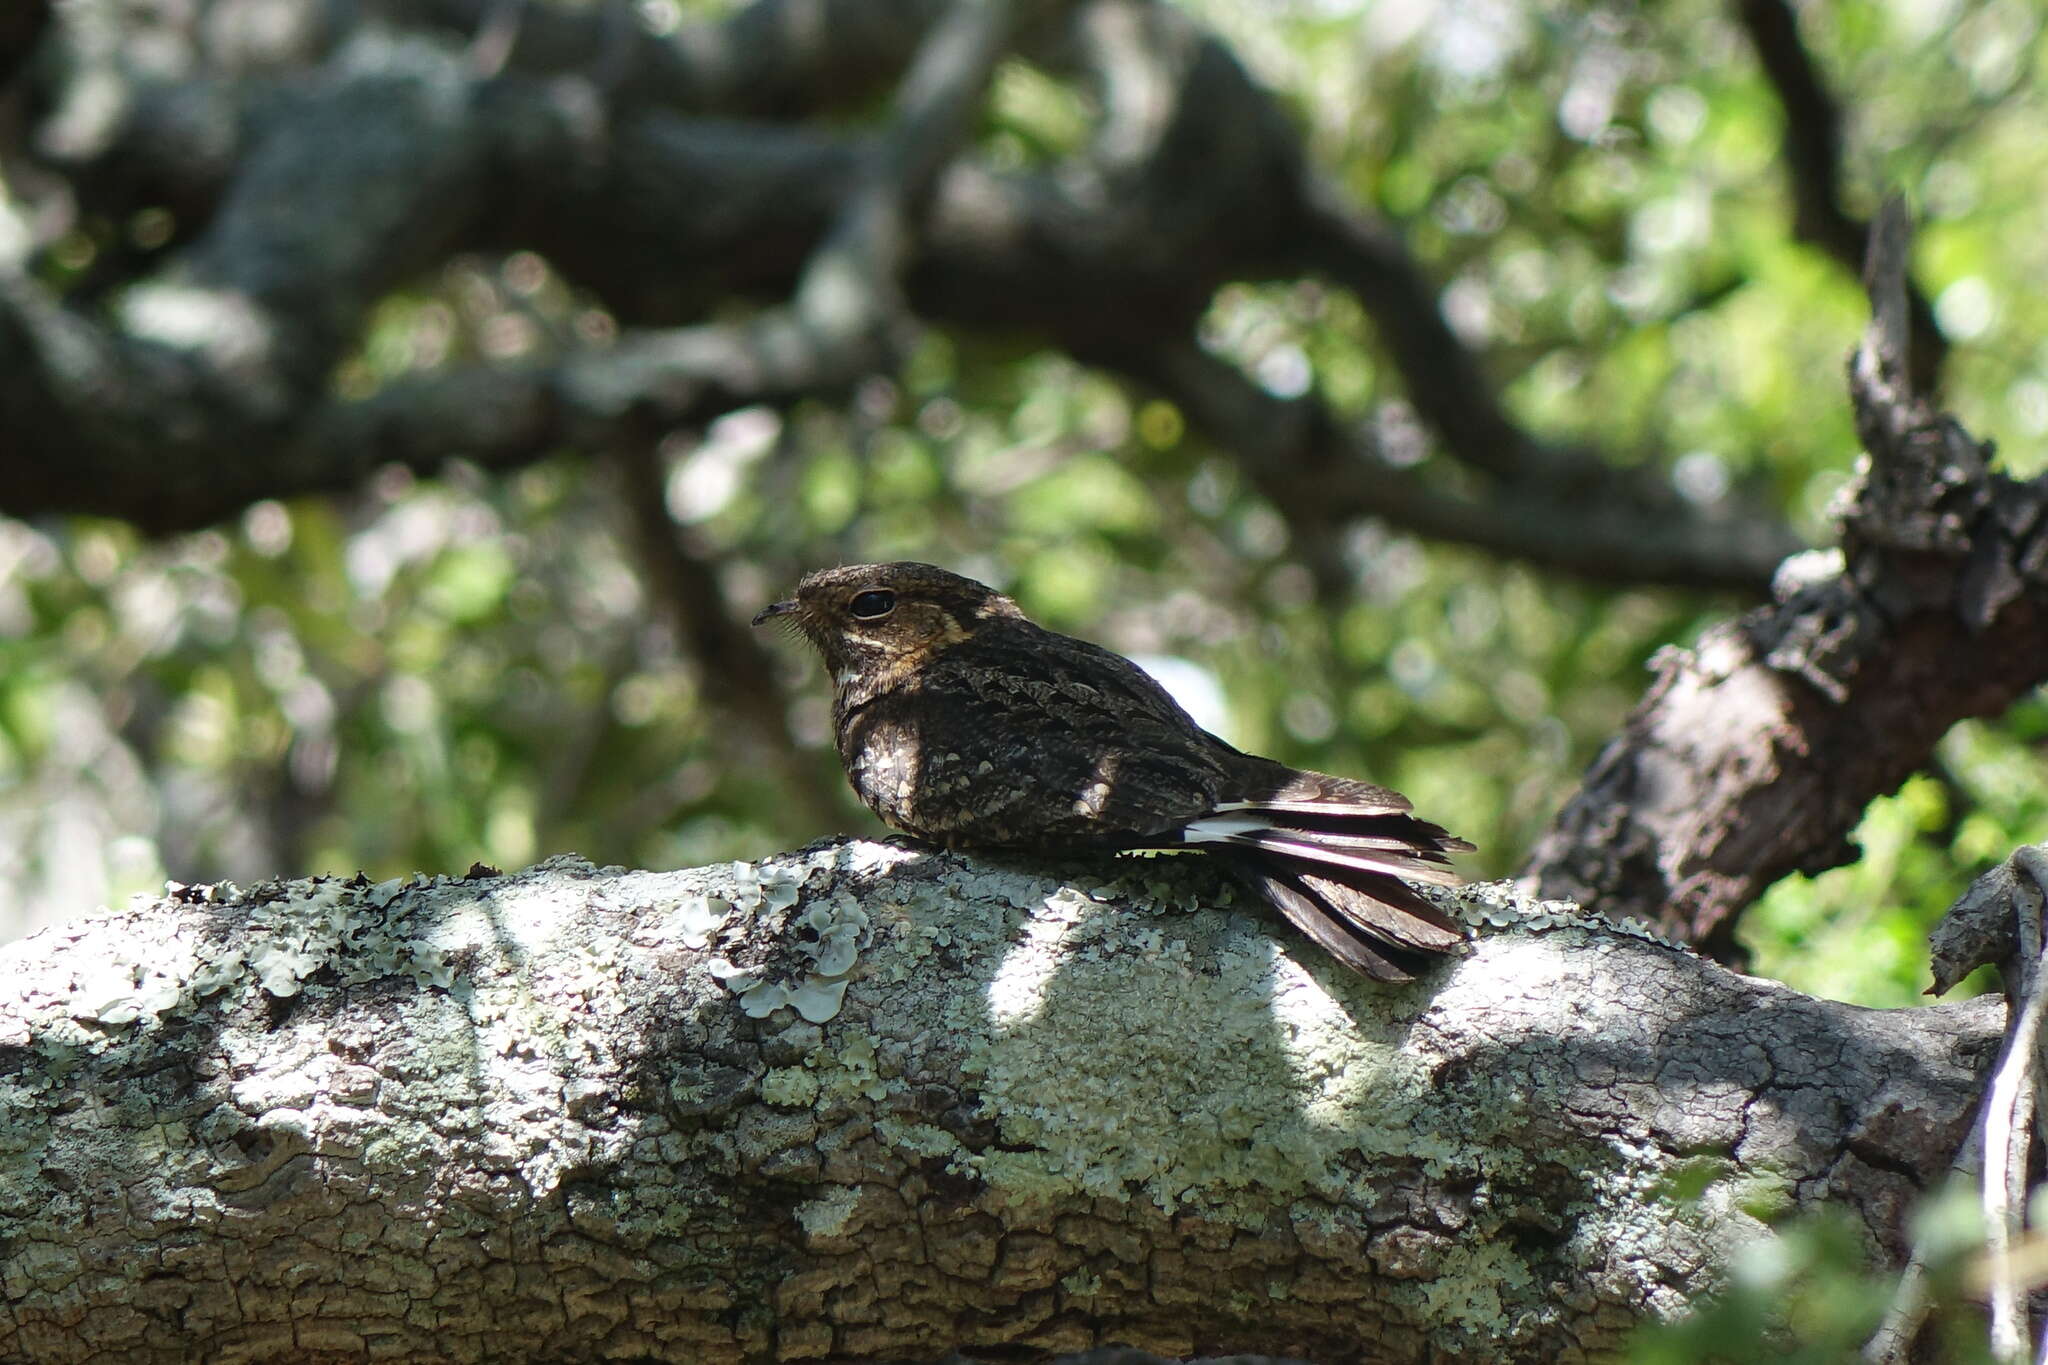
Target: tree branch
column 1177, row 99
column 771, row 59
column 1115, row 255
column 738, row 677
column 1755, row 753
column 1322, row 474
column 867, row 1103
column 1813, row 165
column 273, row 296
column 168, row 417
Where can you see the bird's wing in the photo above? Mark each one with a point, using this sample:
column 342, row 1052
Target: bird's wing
column 1026, row 739
column 1033, row 739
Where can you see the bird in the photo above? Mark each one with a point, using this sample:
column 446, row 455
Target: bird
column 964, row 724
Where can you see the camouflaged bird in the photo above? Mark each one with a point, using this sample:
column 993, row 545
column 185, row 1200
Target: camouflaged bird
column 962, row 723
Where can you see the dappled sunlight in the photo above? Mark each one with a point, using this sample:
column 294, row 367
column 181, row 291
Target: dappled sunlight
column 1020, row 989
column 1207, row 1027
column 406, row 408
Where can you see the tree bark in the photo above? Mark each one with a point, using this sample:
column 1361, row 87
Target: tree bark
column 1756, row 752
column 867, row 1102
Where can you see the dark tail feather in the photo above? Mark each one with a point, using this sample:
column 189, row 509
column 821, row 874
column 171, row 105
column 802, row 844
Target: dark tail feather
column 1331, row 931
column 1337, row 875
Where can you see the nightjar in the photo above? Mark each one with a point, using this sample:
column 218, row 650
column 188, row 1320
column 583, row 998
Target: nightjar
column 962, row 723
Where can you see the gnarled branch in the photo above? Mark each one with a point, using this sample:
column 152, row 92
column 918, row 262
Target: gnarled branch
column 1755, row 753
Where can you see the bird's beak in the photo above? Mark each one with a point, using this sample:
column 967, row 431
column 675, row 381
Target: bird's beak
column 775, row 609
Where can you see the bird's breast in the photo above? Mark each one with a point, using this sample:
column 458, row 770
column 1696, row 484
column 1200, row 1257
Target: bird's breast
column 927, row 769
column 882, row 751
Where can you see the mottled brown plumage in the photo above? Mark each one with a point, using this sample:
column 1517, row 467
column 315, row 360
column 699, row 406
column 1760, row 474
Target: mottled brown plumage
column 962, row 723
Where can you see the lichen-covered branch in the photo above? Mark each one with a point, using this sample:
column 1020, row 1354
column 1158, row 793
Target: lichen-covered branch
column 867, row 1102
column 1754, row 753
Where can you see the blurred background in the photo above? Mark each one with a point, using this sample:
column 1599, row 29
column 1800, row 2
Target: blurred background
column 498, row 661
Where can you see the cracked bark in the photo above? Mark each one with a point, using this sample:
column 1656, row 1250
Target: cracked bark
column 1754, row 754
column 536, row 1118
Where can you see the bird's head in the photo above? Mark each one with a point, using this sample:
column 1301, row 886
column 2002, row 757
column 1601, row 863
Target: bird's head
column 871, row 621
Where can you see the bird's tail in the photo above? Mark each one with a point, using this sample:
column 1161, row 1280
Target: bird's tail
column 1335, row 856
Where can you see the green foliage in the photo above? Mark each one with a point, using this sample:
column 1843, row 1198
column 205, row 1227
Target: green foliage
column 1804, row 1294
column 422, row 674
column 1860, row 932
column 1801, row 1296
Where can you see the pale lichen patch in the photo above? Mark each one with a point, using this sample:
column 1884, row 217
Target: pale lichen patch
column 830, row 1213
column 1466, row 1289
column 804, row 960
column 1085, row 1079
column 791, row 1087
column 697, row 918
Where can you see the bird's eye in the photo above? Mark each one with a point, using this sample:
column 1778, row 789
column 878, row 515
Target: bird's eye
column 872, row 605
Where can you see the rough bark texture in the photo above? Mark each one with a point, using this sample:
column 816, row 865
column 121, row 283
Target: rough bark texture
column 871, row 1103
column 1755, row 753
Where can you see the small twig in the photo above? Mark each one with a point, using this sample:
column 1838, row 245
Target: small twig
column 1893, row 1338
column 1879, row 373
column 1813, row 167
column 1999, row 918
column 2032, row 861
column 2008, row 1137
column 1892, row 1342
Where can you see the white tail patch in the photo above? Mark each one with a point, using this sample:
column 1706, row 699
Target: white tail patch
column 1410, row 866
column 1218, row 829
column 1319, row 807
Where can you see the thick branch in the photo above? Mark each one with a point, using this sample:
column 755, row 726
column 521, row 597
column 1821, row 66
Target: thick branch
column 577, row 1113
column 170, row 415
column 276, row 292
column 774, row 58
column 1754, row 754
